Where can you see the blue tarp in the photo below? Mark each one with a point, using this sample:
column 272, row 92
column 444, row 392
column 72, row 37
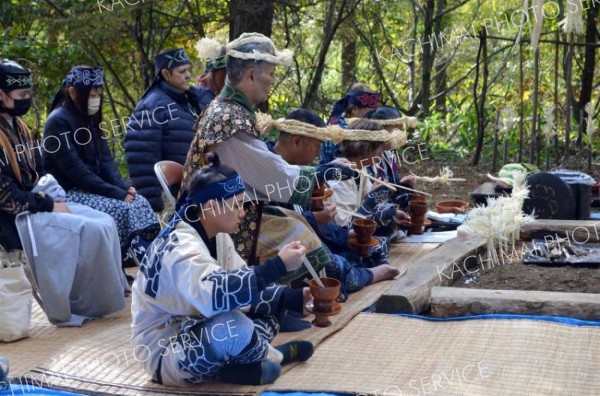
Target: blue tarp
column 300, row 394
column 31, row 390
column 555, row 319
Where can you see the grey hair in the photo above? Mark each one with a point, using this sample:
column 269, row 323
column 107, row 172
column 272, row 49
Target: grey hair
column 236, row 67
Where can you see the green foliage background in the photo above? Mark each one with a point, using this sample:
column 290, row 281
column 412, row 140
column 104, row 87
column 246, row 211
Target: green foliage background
column 52, row 36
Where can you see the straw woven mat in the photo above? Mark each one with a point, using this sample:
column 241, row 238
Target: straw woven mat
column 391, row 355
column 98, row 358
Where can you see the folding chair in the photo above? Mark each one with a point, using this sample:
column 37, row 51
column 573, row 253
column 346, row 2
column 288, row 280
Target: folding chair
column 169, row 174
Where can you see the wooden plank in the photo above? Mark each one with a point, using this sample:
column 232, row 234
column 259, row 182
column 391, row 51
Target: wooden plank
column 411, row 293
column 455, row 301
column 578, row 231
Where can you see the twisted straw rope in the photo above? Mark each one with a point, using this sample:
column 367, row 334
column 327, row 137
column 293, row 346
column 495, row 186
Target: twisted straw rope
column 333, row 133
column 366, row 135
column 410, row 122
column 398, row 139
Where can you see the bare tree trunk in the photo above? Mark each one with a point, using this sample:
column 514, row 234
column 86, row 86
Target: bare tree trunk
column 250, row 16
column 247, row 16
column 428, row 56
column 568, row 82
column 556, row 72
column 348, row 60
column 521, row 103
column 332, row 23
column 587, row 73
column 138, row 32
column 440, row 66
column 480, row 103
column 412, row 65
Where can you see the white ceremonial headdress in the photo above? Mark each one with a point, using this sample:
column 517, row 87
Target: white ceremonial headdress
column 210, row 48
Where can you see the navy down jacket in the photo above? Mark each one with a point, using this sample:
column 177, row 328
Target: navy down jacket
column 161, row 128
column 64, row 158
column 205, row 96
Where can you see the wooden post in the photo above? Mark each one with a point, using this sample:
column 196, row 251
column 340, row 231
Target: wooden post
column 412, row 292
column 496, row 137
column 578, row 231
column 536, row 84
column 538, row 141
column 569, row 102
column 456, row 301
column 590, row 145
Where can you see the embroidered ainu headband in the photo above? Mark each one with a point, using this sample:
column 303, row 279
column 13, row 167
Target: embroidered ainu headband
column 333, row 133
column 217, row 63
column 221, row 191
column 171, row 59
column 210, row 48
column 364, row 99
column 85, row 77
column 14, row 76
column 359, row 99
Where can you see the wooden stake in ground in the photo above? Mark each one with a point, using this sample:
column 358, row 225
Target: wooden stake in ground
column 496, row 133
column 509, row 120
column 590, row 129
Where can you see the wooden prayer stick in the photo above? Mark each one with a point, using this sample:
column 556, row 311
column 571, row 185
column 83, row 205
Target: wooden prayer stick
column 385, row 184
column 393, row 186
column 360, row 216
column 433, row 179
column 312, row 272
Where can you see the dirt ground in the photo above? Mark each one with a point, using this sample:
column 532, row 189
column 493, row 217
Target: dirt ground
column 514, row 275
column 456, row 190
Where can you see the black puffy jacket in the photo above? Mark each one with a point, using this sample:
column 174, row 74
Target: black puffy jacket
column 65, row 158
column 161, row 128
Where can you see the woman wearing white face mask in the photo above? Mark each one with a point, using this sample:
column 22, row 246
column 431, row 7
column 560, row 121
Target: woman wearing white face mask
column 76, row 152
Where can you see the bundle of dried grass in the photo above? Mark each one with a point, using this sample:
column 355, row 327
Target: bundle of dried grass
column 500, row 221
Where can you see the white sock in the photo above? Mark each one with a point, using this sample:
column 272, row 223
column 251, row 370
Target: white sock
column 274, row 355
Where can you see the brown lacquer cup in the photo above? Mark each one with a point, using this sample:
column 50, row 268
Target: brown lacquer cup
column 364, row 228
column 319, row 190
column 417, row 197
column 324, row 303
column 455, row 206
column 417, row 211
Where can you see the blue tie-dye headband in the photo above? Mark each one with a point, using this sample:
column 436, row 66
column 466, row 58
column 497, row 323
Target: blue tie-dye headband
column 85, row 77
column 220, row 191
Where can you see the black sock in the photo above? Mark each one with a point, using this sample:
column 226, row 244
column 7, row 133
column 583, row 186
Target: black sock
column 259, row 373
column 291, row 322
column 296, row 351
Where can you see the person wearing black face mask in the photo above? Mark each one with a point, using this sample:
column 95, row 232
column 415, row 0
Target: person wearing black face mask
column 34, row 217
column 15, row 89
column 77, row 154
column 18, row 172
